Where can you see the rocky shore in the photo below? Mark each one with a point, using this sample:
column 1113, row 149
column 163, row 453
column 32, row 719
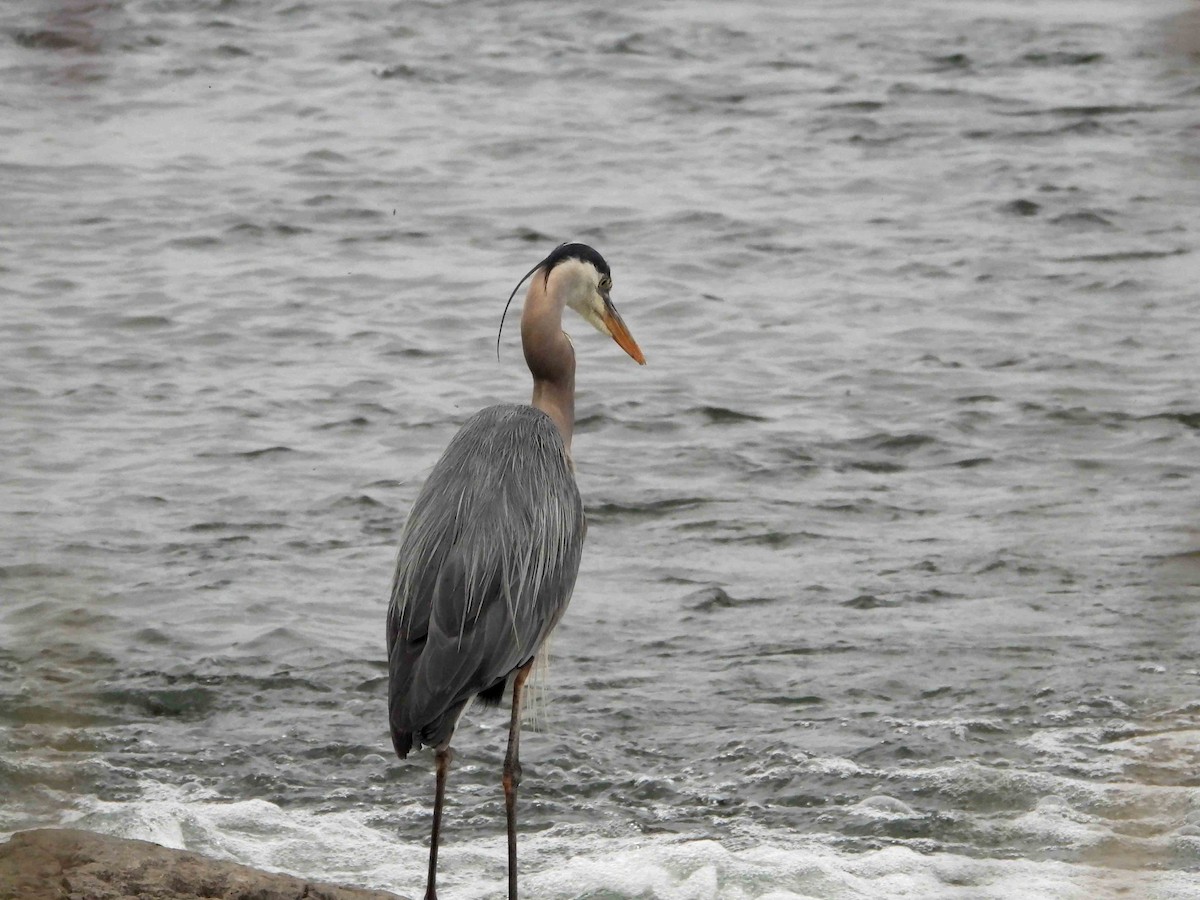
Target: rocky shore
column 66, row 864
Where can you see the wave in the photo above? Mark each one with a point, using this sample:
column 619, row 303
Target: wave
column 386, row 849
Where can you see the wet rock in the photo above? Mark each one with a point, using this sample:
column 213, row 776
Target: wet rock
column 66, row 864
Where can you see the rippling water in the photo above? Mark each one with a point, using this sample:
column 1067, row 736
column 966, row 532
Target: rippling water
column 892, row 577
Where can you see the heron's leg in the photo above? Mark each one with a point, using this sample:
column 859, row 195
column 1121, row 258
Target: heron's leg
column 443, row 756
column 512, row 775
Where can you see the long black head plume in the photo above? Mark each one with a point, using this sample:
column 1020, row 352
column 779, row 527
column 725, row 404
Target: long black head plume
column 566, row 250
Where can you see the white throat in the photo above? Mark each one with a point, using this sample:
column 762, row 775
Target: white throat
column 577, row 282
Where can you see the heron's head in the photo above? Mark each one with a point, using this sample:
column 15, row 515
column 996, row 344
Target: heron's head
column 581, row 276
column 585, row 280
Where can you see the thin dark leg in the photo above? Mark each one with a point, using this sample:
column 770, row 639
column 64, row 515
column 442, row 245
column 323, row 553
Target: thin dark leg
column 443, row 758
column 512, row 775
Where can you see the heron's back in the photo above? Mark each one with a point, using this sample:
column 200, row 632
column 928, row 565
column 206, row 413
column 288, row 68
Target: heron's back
column 487, row 563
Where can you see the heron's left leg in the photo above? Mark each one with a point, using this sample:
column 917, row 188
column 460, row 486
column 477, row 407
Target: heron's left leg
column 443, row 755
column 512, row 774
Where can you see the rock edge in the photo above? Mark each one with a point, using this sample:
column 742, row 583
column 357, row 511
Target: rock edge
column 68, row 864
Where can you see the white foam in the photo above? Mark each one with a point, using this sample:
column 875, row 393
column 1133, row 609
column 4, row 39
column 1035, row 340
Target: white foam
column 341, row 847
column 881, row 806
column 576, row 861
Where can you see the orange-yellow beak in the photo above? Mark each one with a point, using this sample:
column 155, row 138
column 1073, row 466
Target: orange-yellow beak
column 616, row 327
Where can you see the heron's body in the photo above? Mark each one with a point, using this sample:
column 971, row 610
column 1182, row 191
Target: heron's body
column 490, row 551
column 486, row 568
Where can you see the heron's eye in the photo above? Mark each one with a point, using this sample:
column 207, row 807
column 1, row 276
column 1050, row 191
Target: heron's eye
column 605, row 283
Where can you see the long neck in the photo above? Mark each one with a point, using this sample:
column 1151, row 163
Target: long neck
column 548, row 353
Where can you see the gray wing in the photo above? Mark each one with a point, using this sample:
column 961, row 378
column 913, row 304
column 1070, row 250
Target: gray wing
column 487, row 563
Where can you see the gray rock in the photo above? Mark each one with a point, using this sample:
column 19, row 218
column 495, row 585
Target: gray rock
column 66, row 864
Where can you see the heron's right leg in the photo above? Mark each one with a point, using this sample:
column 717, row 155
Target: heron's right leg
column 443, row 756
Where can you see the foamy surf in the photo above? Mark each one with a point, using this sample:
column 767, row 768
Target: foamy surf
column 356, row 847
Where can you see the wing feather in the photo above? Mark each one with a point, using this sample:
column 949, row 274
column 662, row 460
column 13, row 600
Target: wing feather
column 486, row 567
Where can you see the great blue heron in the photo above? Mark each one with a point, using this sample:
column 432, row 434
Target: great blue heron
column 490, row 551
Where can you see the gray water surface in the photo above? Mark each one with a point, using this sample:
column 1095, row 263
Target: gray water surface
column 892, row 578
